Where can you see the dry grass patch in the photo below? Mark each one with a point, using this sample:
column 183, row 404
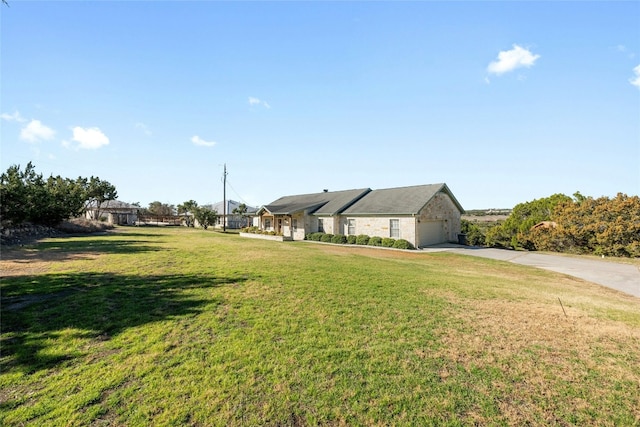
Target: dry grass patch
column 547, row 367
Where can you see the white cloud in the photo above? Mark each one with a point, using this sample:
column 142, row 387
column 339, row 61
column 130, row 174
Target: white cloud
column 509, row 60
column 635, row 80
column 87, row 138
column 256, row 101
column 201, row 142
column 143, row 128
column 35, row 131
column 15, row 117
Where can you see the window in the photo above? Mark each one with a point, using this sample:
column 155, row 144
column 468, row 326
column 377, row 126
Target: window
column 267, row 224
column 394, row 228
column 295, row 224
column 351, row 227
column 320, row 225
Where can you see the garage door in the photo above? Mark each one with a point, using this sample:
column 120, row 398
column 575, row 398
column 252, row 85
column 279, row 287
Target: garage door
column 431, row 233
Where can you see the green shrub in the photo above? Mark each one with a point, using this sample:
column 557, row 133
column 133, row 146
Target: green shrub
column 403, row 244
column 362, row 239
column 388, row 242
column 339, row 239
column 326, row 238
column 375, row 241
column 351, row 239
column 315, row 236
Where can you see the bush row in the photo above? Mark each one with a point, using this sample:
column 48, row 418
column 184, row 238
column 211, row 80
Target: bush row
column 361, row 239
column 257, row 230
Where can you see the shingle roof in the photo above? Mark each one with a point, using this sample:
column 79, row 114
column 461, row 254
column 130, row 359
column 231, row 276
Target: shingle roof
column 113, row 204
column 401, row 200
column 231, row 205
column 325, row 203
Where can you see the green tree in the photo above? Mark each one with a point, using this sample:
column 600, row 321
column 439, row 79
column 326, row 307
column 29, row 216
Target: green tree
column 242, row 211
column 97, row 192
column 205, row 216
column 22, row 194
column 26, row 197
column 475, row 236
column 187, row 209
column 161, row 209
column 516, row 229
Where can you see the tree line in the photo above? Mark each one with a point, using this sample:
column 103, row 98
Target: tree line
column 26, row 196
column 559, row 223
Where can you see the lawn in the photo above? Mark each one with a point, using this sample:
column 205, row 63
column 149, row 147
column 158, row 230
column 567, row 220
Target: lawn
column 175, row 326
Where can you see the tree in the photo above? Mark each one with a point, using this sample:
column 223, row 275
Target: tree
column 241, row 210
column 205, row 216
column 26, row 197
column 601, row 226
column 161, row 209
column 97, row 192
column 21, row 192
column 475, row 237
column 188, row 209
column 515, row 230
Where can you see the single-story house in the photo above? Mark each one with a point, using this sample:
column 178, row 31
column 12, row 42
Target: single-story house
column 114, row 212
column 233, row 220
column 423, row 214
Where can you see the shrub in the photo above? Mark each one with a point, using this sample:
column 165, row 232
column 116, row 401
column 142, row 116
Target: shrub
column 362, row 239
column 326, row 238
column 351, row 239
column 375, row 241
column 339, row 239
column 403, row 244
column 315, row 236
column 388, row 242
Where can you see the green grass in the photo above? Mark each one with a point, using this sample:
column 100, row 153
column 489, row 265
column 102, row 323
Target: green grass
column 156, row 326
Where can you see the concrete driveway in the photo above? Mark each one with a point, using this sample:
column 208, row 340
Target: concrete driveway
column 622, row 277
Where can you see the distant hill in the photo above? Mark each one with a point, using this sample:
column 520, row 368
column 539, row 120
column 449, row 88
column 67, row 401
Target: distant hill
column 486, row 215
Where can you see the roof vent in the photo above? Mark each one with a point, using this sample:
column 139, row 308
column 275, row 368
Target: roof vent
column 326, row 190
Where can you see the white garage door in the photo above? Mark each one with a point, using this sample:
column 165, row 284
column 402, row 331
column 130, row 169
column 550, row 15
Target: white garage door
column 431, row 233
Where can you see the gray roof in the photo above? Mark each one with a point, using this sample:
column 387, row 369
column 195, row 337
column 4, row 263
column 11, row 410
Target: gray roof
column 113, row 205
column 231, row 205
column 399, row 201
column 325, row 203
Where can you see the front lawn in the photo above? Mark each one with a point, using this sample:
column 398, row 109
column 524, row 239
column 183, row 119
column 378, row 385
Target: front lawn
column 159, row 326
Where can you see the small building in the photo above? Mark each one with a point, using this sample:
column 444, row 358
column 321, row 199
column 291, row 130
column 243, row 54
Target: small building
column 233, row 220
column 423, row 215
column 113, row 212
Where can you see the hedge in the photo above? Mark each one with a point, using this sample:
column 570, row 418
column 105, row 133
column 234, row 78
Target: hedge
column 403, row 244
column 326, row 238
column 339, row 239
column 375, row 241
column 388, row 242
column 362, row 239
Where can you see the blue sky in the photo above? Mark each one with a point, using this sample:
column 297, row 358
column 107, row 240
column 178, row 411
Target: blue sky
column 506, row 102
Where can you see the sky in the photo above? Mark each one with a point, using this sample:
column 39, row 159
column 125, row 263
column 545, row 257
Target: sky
column 506, row 102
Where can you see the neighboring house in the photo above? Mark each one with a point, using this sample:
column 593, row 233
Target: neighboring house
column 114, row 212
column 423, row 214
column 232, row 220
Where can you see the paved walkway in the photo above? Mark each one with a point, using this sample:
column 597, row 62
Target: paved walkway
column 623, row 277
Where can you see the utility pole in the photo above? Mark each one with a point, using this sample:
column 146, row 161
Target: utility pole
column 224, row 199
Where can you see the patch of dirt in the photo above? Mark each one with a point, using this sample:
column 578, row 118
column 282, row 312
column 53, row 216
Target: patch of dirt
column 20, row 261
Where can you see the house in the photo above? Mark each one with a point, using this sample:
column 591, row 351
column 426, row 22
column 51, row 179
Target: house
column 232, row 220
column 113, row 212
column 423, row 214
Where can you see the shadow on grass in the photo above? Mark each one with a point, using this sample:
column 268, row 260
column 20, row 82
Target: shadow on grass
column 77, row 248
column 37, row 309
